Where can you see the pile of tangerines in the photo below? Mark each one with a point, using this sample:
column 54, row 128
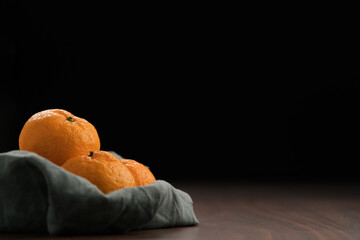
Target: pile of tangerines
column 73, row 143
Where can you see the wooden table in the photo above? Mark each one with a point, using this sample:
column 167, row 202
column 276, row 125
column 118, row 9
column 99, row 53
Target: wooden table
column 258, row 212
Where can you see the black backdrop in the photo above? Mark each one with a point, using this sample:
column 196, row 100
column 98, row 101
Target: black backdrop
column 174, row 91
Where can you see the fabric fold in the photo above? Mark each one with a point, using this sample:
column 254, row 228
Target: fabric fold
column 39, row 196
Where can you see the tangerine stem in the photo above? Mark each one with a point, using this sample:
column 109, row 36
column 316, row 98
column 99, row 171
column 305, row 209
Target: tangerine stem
column 70, row 119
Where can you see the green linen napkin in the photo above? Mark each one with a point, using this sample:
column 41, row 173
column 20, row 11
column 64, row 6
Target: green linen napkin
column 39, row 196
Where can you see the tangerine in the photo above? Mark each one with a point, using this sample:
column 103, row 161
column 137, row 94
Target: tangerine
column 58, row 135
column 102, row 169
column 143, row 176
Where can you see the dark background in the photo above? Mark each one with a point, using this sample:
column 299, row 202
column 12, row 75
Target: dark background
column 193, row 96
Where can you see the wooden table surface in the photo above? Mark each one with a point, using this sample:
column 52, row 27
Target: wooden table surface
column 258, row 212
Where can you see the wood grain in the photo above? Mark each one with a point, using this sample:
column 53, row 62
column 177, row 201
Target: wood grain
column 258, row 211
column 280, row 211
